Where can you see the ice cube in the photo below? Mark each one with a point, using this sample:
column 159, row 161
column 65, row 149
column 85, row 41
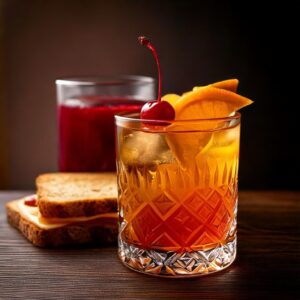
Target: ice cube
column 145, row 148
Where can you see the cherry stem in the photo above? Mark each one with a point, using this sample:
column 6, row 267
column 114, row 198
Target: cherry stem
column 146, row 42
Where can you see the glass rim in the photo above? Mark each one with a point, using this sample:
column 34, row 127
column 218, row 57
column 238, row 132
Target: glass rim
column 125, row 116
column 125, row 120
column 104, row 80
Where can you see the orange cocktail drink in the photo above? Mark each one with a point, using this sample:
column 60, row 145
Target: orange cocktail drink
column 177, row 167
column 178, row 194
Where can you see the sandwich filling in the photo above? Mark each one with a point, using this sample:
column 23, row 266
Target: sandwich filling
column 31, row 212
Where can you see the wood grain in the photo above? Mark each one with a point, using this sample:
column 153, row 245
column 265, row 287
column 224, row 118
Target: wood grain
column 267, row 266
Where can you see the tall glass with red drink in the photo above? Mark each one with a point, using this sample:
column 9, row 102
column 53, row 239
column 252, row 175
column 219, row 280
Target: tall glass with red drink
column 86, row 109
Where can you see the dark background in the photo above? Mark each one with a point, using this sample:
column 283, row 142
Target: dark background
column 199, row 42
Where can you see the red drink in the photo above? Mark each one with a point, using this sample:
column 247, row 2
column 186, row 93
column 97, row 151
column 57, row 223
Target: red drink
column 86, row 132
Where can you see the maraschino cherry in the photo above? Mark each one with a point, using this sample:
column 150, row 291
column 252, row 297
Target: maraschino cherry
column 157, row 109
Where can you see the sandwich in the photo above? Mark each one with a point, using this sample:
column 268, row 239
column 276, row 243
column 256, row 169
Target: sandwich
column 67, row 209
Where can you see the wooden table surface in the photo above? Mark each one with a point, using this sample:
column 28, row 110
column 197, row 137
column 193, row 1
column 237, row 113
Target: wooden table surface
column 267, row 266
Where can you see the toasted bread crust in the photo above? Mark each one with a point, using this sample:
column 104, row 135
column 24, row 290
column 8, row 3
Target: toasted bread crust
column 74, row 233
column 64, row 195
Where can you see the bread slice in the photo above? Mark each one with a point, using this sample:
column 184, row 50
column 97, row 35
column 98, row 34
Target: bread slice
column 65, row 195
column 101, row 229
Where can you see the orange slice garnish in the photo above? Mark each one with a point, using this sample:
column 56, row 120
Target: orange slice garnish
column 171, row 98
column 218, row 100
column 207, row 103
column 229, row 84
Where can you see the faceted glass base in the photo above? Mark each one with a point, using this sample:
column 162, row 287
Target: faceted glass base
column 172, row 264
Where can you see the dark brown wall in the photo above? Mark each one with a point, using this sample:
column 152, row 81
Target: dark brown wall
column 198, row 42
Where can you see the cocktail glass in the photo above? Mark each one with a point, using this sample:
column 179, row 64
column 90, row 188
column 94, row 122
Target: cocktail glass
column 86, row 109
column 178, row 194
